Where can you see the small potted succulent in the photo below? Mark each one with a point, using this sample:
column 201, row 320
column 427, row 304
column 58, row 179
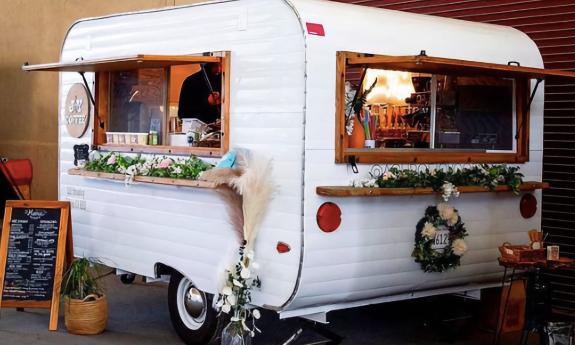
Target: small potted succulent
column 85, row 305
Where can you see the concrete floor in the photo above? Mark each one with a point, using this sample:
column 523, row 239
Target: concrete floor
column 138, row 314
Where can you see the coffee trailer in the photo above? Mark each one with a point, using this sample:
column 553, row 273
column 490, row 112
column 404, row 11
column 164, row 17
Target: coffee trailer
column 285, row 66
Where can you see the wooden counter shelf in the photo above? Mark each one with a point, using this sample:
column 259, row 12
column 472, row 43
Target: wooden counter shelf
column 341, row 191
column 167, row 150
column 144, row 179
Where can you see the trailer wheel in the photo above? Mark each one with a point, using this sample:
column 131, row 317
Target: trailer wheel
column 127, row 278
column 191, row 312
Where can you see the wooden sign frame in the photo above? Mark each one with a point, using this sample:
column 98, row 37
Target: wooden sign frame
column 64, row 255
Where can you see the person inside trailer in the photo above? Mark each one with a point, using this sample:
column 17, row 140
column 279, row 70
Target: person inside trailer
column 200, row 96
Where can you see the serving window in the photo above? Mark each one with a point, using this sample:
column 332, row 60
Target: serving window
column 425, row 110
column 140, row 109
column 137, row 100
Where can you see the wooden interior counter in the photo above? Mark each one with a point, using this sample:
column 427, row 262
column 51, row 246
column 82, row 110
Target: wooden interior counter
column 160, row 149
column 341, row 191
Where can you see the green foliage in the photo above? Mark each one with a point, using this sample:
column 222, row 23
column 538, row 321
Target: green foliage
column 489, row 176
column 360, row 101
column 79, row 281
column 187, row 168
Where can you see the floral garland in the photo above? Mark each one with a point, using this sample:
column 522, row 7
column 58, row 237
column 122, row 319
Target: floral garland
column 181, row 168
column 235, row 296
column 439, row 235
column 445, row 181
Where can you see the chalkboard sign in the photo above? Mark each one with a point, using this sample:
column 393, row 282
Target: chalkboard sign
column 81, row 154
column 35, row 244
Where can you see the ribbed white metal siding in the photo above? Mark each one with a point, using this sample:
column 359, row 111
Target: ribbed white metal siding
column 369, row 255
column 134, row 227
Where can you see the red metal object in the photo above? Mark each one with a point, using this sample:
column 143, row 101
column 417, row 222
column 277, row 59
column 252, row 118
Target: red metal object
column 283, row 247
column 18, row 171
column 528, row 206
column 315, row 29
column 328, row 217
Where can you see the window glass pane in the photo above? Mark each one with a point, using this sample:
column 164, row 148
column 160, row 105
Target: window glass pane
column 137, row 101
column 396, row 112
column 196, row 102
column 474, row 113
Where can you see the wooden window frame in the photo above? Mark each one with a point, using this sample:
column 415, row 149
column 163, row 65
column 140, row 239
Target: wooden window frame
column 102, row 70
column 102, row 108
column 522, row 77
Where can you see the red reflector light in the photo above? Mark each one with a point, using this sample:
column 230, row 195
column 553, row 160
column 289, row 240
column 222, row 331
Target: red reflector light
column 328, row 217
column 315, row 29
column 528, row 205
column 283, row 247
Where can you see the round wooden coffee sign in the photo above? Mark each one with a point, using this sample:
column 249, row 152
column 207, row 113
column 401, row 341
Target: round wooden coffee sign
column 77, row 112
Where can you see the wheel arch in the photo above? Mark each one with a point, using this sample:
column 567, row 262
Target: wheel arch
column 161, row 269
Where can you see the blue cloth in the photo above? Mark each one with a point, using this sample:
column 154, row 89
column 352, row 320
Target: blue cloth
column 228, row 160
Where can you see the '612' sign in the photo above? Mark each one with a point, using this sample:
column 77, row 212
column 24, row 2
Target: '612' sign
column 77, row 110
column 441, row 239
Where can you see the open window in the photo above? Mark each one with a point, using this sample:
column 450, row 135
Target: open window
column 137, row 101
column 421, row 109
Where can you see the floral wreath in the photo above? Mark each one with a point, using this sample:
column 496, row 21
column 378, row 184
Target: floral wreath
column 439, row 243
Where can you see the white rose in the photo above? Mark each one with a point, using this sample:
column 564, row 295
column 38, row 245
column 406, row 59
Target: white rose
column 428, row 231
column 245, row 273
column 231, row 299
column 459, row 247
column 388, row 175
column 256, row 313
column 226, row 308
column 220, row 303
column 454, row 219
column 237, row 283
column 445, row 211
column 94, row 155
column 227, row 290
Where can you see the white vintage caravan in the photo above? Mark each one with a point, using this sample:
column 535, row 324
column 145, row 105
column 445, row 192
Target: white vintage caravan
column 286, row 62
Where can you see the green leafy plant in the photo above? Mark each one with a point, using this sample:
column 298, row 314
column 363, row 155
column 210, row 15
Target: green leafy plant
column 488, row 176
column 79, row 280
column 182, row 168
column 360, row 101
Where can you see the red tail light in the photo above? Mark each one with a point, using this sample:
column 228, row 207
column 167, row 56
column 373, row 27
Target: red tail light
column 328, row 217
column 283, row 247
column 528, row 205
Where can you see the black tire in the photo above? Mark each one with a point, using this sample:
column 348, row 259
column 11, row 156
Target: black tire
column 202, row 330
column 127, row 278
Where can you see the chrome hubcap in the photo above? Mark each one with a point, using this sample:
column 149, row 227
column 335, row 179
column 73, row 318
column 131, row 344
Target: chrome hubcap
column 194, row 302
column 192, row 305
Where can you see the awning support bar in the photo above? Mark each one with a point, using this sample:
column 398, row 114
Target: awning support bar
column 539, row 80
column 88, row 88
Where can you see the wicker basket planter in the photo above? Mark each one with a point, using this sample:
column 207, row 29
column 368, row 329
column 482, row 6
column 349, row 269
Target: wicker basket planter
column 86, row 317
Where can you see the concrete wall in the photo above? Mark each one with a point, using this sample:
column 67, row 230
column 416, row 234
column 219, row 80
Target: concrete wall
column 33, row 31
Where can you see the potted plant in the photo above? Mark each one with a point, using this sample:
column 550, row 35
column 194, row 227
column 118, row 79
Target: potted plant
column 85, row 306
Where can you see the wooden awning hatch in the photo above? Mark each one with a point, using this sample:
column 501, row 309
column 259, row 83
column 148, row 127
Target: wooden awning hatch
column 121, row 63
column 435, row 65
column 125, row 63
